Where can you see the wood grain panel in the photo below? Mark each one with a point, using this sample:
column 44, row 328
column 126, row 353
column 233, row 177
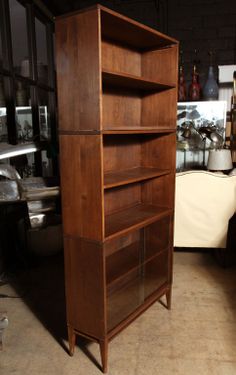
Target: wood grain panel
column 122, row 197
column 118, row 58
column 159, row 151
column 77, row 49
column 160, row 109
column 161, row 65
column 121, row 152
column 120, row 108
column 159, row 191
column 81, row 185
column 85, row 286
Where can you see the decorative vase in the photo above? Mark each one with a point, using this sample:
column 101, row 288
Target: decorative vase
column 211, row 90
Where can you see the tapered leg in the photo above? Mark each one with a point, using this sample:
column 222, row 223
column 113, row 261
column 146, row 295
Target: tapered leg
column 104, row 354
column 71, row 338
column 168, row 299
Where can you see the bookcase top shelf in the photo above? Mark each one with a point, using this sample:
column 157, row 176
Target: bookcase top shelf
column 124, row 30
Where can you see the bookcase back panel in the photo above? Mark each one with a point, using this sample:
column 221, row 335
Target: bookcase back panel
column 118, row 58
column 159, row 191
column 159, row 109
column 158, row 151
column 160, row 65
column 121, row 152
column 156, row 191
column 120, row 108
column 121, row 198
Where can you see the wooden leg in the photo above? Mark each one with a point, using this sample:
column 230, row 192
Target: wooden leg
column 71, row 338
column 104, row 354
column 168, row 299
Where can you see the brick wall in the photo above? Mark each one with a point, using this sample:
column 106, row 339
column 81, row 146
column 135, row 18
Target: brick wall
column 150, row 12
column 204, row 25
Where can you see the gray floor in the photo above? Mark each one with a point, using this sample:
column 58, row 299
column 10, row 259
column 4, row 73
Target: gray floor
column 198, row 336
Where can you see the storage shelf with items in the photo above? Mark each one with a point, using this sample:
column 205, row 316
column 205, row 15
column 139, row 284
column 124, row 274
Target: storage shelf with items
column 117, row 145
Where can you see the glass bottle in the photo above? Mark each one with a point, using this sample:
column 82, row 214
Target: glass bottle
column 211, row 90
column 194, row 87
column 182, row 93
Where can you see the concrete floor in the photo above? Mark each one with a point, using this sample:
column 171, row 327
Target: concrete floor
column 198, row 336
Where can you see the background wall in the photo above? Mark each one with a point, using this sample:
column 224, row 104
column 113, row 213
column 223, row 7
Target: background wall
column 204, row 25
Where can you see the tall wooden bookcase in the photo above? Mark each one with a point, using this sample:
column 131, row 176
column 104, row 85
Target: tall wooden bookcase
column 117, row 115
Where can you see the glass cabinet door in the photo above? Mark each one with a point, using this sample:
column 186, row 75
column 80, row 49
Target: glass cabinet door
column 41, row 45
column 19, row 38
column 44, row 119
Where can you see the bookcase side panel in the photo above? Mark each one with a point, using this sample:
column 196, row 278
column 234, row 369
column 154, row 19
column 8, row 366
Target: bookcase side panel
column 85, row 286
column 81, row 185
column 78, row 71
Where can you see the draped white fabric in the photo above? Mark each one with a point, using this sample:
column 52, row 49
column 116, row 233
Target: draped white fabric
column 204, row 203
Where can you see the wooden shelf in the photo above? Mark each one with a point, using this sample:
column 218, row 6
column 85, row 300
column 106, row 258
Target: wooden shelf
column 129, row 176
column 129, row 81
column 133, row 218
column 138, row 130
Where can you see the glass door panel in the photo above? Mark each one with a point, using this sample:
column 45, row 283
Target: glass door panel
column 157, row 237
column 124, row 298
column 23, row 113
column 41, row 45
column 155, row 273
column 20, row 48
column 44, row 123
